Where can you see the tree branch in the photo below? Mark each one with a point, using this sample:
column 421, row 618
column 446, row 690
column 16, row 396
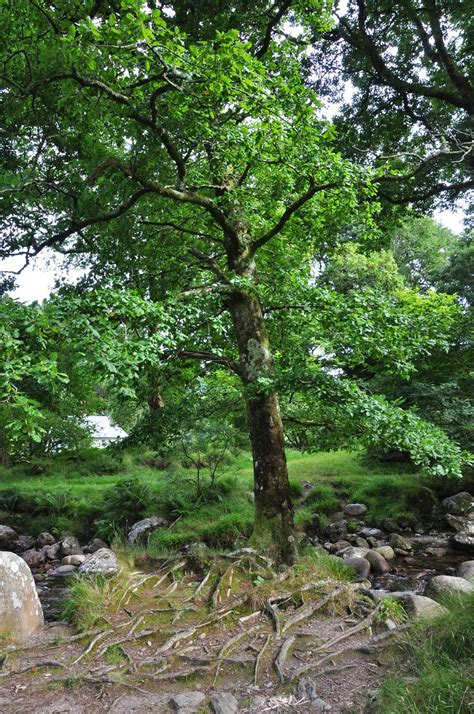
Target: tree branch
column 290, row 211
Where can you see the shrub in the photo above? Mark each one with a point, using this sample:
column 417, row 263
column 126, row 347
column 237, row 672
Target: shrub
column 125, row 503
column 227, row 531
column 322, row 499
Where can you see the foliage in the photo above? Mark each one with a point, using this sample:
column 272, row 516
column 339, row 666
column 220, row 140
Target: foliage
column 123, row 505
column 88, row 601
column 440, row 658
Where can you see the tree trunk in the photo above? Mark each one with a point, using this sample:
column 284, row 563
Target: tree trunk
column 273, row 529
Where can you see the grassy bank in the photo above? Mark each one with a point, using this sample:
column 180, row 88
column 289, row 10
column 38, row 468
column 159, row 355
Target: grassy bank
column 97, row 493
column 440, row 675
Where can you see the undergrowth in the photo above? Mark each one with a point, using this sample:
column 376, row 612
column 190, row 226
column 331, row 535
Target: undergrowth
column 441, row 655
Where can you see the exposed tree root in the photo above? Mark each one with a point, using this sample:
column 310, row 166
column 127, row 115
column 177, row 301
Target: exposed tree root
column 260, row 657
column 280, row 660
column 305, row 611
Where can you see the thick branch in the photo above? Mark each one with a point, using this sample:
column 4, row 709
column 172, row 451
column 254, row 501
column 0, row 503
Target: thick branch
column 290, row 211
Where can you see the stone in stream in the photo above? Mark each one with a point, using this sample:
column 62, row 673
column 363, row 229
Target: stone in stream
column 418, row 607
column 360, row 565
column 463, row 542
column 45, row 539
column 359, row 542
column 20, row 608
column 399, row 542
column 142, row 530
column 224, row 703
column 391, row 525
column 336, row 531
column 442, row 585
column 95, row 544
column 371, row 533
column 24, row 542
column 338, row 546
column 461, row 524
column 51, row 552
column 355, row 509
column 354, row 553
column 64, row 570
column 459, row 504
column 70, row 546
column 378, row 564
column 188, row 702
column 386, row 551
column 102, row 562
column 7, row 537
column 466, row 570
column 73, row 560
column 33, row 558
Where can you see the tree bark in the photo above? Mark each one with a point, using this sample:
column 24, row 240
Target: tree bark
column 273, row 529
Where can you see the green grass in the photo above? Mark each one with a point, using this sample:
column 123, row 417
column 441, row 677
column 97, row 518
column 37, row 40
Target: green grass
column 102, row 494
column 441, row 674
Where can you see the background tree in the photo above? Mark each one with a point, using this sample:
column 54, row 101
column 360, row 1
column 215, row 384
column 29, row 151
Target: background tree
column 410, row 65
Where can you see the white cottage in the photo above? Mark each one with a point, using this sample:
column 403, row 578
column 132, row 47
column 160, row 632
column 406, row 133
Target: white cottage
column 103, row 432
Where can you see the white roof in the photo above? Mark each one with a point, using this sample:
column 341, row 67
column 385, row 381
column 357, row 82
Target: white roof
column 102, row 427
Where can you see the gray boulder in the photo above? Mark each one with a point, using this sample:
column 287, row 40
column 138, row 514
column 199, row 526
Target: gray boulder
column 338, row 546
column 336, row 531
column 33, row 558
column 378, row 564
column 51, row 552
column 73, row 560
column 418, row 607
column 224, row 703
column 7, row 537
column 371, row 533
column 461, row 524
column 354, row 553
column 360, row 565
column 442, row 585
column 64, row 571
column 45, row 539
column 398, row 541
column 24, row 542
column 102, row 562
column 70, row 546
column 391, row 525
column 141, row 531
column 463, row 542
column 459, row 504
column 20, row 608
column 95, row 544
column 466, row 570
column 355, row 509
column 188, row 702
column 386, row 551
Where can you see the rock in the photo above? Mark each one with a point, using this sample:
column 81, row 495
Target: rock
column 306, row 689
column 45, row 539
column 418, row 607
column 142, row 530
column 336, row 531
column 20, row 608
column 102, row 562
column 371, row 533
column 386, row 551
column 188, row 702
column 224, row 703
column 373, row 542
column 33, row 558
column 360, row 565
column 459, row 504
column 408, row 522
column 7, row 537
column 24, row 542
column 64, row 570
column 463, row 542
column 361, row 543
column 378, row 564
column 70, row 546
column 461, row 524
column 354, row 553
column 466, row 570
column 73, row 560
column 51, row 552
column 95, row 544
column 355, row 509
column 339, row 545
column 398, row 541
column 442, row 585
column 390, row 525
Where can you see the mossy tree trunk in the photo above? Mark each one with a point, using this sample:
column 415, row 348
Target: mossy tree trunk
column 273, row 529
